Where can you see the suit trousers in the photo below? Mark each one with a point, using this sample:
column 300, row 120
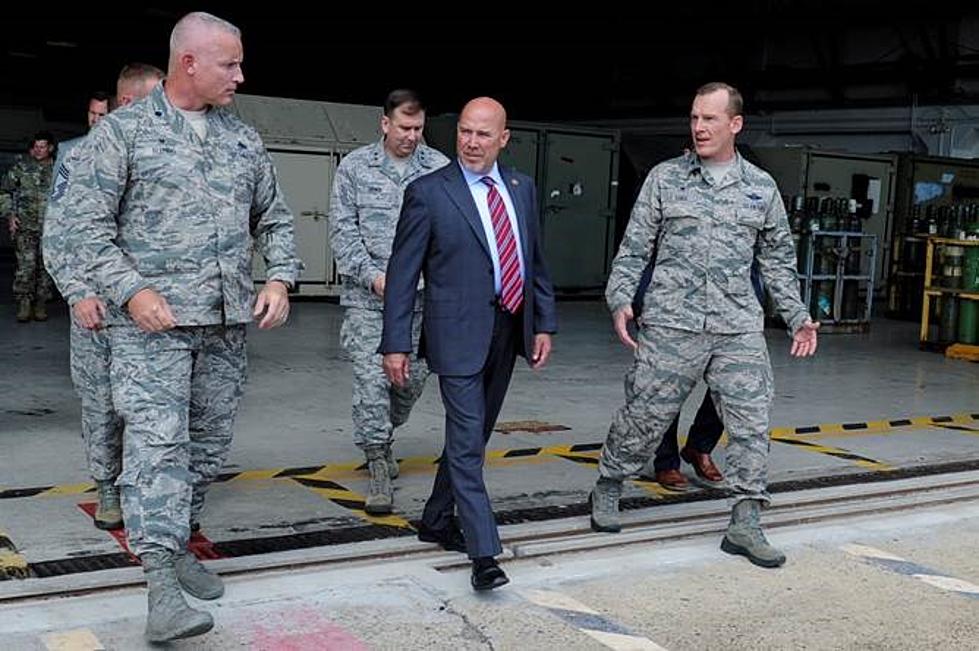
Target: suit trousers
column 472, row 404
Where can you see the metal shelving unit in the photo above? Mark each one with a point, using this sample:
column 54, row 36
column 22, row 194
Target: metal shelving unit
column 933, row 291
column 837, row 258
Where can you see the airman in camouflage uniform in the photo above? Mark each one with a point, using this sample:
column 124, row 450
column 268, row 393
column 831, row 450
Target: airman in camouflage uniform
column 364, row 209
column 166, row 200
column 24, row 194
column 90, row 356
column 709, row 214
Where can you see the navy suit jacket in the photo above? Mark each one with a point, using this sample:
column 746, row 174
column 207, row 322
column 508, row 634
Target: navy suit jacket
column 441, row 237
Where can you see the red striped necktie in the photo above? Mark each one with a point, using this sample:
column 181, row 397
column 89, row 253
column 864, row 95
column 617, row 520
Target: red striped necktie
column 511, row 283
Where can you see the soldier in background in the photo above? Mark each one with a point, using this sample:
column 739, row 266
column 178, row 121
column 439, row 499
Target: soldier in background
column 98, row 108
column 709, row 215
column 367, row 193
column 90, row 356
column 166, row 201
column 24, row 193
column 136, row 81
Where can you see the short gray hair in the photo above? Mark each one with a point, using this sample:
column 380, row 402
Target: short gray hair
column 137, row 72
column 178, row 37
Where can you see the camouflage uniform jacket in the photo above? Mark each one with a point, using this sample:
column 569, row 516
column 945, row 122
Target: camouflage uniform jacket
column 58, row 258
column 364, row 209
column 149, row 205
column 24, row 192
column 707, row 234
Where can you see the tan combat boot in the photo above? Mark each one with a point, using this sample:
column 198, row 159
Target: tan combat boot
column 196, row 579
column 24, row 309
column 393, row 469
column 380, row 493
column 169, row 617
column 108, row 513
column 604, row 500
column 744, row 536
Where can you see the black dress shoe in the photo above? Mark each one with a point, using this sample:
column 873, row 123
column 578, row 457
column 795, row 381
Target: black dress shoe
column 450, row 538
column 487, row 574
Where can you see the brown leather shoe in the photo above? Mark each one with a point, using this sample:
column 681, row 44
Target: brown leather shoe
column 702, row 464
column 672, row 479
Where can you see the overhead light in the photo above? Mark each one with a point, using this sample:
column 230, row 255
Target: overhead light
column 21, row 55
column 60, row 44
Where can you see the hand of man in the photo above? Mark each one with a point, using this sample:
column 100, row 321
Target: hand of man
column 622, row 318
column 90, row 313
column 396, row 368
column 542, row 350
column 150, row 311
column 378, row 285
column 12, row 224
column 804, row 340
column 272, row 305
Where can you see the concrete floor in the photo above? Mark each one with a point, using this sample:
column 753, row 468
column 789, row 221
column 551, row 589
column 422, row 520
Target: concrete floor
column 682, row 594
column 296, row 414
column 677, row 595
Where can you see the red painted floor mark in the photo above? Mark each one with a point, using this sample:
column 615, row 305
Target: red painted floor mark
column 202, row 547
column 118, row 534
column 305, row 629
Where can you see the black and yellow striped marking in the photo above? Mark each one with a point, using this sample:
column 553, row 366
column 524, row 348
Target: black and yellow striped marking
column 12, row 564
column 839, row 453
column 960, row 428
column 350, row 534
column 872, row 427
column 348, row 499
column 584, row 453
column 587, row 454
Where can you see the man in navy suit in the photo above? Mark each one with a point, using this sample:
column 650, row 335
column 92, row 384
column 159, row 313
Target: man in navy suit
column 471, row 229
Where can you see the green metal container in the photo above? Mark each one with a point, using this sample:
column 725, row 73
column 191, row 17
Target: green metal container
column 949, row 319
column 970, row 264
column 968, row 322
column 952, row 265
column 969, row 309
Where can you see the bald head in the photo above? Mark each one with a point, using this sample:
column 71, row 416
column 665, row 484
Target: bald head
column 205, row 62
column 485, row 108
column 481, row 134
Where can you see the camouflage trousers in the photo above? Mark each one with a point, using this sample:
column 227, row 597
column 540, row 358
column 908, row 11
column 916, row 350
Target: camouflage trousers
column 90, row 360
column 668, row 364
column 31, row 279
column 178, row 393
column 378, row 406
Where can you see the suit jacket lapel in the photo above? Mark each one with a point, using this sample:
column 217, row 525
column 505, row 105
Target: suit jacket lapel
column 458, row 191
column 519, row 196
